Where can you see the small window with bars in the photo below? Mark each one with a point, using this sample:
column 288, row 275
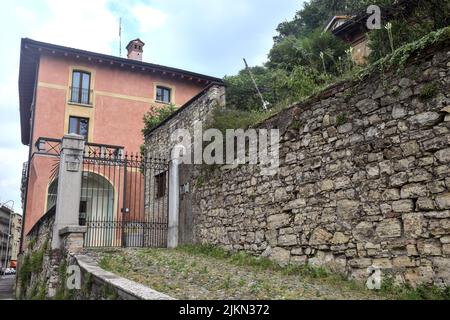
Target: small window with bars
column 160, row 185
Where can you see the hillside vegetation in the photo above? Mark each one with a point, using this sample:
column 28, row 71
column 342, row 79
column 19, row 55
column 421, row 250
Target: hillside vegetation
column 304, row 59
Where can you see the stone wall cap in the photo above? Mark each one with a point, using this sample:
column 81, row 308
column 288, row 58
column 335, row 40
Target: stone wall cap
column 72, row 229
column 137, row 290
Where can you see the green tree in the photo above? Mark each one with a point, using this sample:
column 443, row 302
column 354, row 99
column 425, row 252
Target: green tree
column 241, row 92
column 306, row 52
column 296, row 84
column 315, row 14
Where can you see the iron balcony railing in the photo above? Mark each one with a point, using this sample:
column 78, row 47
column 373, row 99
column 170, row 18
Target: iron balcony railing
column 103, row 151
column 80, row 95
column 52, row 146
column 48, row 146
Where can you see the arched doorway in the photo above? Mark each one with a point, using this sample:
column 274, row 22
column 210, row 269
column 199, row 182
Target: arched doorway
column 97, row 209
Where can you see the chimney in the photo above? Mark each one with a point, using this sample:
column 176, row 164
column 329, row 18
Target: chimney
column 135, row 50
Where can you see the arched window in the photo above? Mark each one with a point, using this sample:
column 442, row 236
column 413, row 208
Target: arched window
column 81, row 87
column 52, row 193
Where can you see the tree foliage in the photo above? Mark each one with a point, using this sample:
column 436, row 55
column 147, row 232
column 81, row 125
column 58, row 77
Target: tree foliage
column 426, row 16
column 306, row 52
column 241, row 92
column 316, row 13
column 276, row 85
column 154, row 117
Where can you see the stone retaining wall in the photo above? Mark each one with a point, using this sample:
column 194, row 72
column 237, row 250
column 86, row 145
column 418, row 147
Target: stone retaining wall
column 364, row 180
column 38, row 264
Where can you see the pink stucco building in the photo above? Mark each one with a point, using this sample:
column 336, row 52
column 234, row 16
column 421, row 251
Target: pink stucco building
column 64, row 90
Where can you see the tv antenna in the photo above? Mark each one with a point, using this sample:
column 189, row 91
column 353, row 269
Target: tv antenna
column 264, row 103
column 120, row 37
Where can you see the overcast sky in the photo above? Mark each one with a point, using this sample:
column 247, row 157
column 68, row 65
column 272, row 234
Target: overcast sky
column 205, row 36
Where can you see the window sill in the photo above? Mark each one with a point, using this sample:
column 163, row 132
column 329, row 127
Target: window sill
column 162, row 102
column 80, row 104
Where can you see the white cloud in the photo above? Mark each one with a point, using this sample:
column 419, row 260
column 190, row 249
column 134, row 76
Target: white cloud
column 148, row 18
column 83, row 24
column 223, row 10
column 24, row 14
column 8, row 92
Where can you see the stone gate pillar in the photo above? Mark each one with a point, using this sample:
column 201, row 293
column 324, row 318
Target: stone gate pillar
column 66, row 226
column 174, row 200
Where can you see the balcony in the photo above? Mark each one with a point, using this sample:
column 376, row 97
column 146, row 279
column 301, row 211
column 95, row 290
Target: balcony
column 48, row 146
column 52, row 147
column 104, row 151
column 80, row 96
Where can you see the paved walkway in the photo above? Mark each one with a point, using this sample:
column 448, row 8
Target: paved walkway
column 6, row 287
column 188, row 274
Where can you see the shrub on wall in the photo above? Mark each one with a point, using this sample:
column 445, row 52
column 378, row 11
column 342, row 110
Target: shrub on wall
column 153, row 118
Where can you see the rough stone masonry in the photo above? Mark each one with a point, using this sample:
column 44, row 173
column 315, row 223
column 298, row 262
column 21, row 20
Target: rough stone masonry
column 364, row 180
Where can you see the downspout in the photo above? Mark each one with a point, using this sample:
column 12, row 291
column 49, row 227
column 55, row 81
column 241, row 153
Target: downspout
column 30, row 149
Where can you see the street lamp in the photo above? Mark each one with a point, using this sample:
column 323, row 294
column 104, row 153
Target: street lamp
column 9, row 231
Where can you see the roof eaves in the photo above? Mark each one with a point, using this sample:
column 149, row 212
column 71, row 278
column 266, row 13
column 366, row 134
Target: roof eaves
column 122, row 61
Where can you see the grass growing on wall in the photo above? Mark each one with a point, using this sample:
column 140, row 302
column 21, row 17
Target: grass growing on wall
column 406, row 292
column 62, row 292
column 429, row 91
column 32, row 243
column 32, row 265
column 400, row 56
column 24, row 275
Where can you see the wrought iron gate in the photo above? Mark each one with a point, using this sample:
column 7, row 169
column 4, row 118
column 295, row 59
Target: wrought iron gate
column 124, row 199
